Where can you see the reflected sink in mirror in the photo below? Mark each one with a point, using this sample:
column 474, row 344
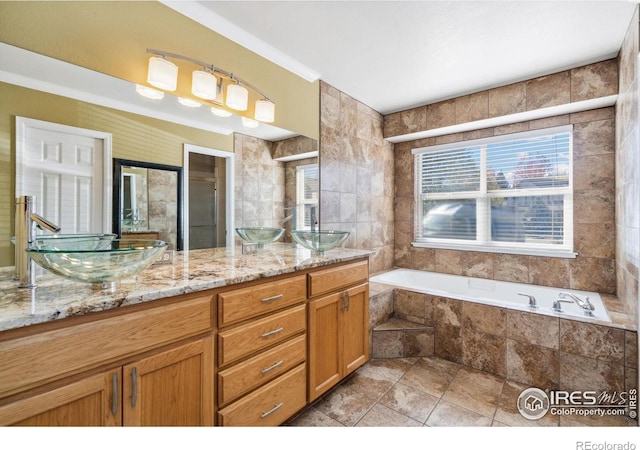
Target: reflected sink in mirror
column 319, row 241
column 105, row 262
column 260, row 235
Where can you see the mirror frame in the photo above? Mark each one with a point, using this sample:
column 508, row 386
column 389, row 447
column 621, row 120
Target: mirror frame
column 118, row 164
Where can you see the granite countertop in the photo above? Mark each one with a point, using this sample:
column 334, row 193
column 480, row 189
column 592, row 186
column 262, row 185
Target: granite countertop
column 191, row 271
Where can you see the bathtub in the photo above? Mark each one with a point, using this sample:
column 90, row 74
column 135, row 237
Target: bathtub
column 498, row 293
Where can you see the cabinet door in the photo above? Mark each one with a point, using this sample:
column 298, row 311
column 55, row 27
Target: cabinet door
column 92, row 401
column 355, row 328
column 173, row 388
column 324, row 344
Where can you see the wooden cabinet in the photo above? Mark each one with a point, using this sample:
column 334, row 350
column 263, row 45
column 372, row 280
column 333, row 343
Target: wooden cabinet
column 147, row 366
column 171, row 388
column 338, row 327
column 262, row 352
column 87, row 402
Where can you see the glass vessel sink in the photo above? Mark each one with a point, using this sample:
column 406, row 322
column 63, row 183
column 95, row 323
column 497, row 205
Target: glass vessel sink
column 319, row 241
column 78, row 241
column 93, row 260
column 260, row 235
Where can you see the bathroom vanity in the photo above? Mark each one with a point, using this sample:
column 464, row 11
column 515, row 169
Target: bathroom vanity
column 216, row 338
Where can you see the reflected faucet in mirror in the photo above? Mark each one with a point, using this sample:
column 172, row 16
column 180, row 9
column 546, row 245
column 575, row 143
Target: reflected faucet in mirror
column 25, row 232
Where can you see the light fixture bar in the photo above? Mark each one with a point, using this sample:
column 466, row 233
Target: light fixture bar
column 210, row 67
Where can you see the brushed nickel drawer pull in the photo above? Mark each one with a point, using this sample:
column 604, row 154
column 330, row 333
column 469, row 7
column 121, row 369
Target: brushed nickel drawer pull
column 134, row 387
column 114, row 399
column 270, row 333
column 271, row 411
column 270, row 299
column 270, row 368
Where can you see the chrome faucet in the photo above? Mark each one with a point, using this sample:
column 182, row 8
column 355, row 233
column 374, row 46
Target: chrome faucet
column 291, row 217
column 26, row 222
column 533, row 304
column 583, row 303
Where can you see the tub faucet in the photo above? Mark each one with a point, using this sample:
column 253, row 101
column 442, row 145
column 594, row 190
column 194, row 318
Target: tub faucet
column 533, row 304
column 583, row 303
column 26, row 222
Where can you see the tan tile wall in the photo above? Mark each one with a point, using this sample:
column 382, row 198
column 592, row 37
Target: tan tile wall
column 594, row 213
column 628, row 173
column 543, row 351
column 582, row 83
column 259, row 184
column 356, row 175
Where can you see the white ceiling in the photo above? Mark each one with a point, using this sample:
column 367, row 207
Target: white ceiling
column 394, row 55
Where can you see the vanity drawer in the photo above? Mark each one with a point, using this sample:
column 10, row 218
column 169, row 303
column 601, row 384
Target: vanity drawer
column 240, row 341
column 245, row 376
column 336, row 278
column 271, row 404
column 51, row 355
column 241, row 304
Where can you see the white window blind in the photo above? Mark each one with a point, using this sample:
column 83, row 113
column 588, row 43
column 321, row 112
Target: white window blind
column 510, row 193
column 307, row 189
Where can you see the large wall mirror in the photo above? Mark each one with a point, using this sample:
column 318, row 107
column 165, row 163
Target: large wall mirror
column 147, row 201
column 267, row 182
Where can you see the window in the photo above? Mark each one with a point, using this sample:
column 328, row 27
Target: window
column 307, row 189
column 510, row 194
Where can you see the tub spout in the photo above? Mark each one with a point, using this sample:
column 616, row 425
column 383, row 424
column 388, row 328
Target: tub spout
column 583, row 303
column 533, row 304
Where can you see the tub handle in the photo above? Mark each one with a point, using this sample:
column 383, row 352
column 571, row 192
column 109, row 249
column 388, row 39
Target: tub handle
column 533, row 304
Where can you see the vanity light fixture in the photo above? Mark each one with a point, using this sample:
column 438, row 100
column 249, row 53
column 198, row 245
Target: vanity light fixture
column 188, row 102
column 220, row 112
column 148, row 92
column 206, row 83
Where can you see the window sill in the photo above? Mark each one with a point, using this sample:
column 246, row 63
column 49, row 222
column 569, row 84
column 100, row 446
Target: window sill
column 492, row 249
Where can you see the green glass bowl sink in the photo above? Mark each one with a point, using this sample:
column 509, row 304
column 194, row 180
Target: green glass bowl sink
column 260, row 235
column 104, row 262
column 87, row 241
column 319, row 241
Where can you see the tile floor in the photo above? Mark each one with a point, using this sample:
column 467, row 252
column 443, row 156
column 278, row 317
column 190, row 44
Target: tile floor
column 428, row 391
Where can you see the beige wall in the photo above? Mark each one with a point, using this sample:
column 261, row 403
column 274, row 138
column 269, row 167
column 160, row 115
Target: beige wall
column 134, row 137
column 628, row 172
column 356, row 175
column 594, row 178
column 112, row 38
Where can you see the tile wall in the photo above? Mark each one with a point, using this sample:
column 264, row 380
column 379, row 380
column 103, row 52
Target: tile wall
column 163, row 212
column 533, row 349
column 628, row 172
column 356, row 175
column 259, row 184
column 594, row 178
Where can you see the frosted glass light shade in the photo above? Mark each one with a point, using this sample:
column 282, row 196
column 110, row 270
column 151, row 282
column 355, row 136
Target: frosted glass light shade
column 162, row 73
column 237, row 97
column 250, row 123
column 265, row 111
column 220, row 112
column 204, row 85
column 148, row 92
column 188, row 102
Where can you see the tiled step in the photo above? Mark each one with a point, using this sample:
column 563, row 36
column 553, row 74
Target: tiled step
column 399, row 338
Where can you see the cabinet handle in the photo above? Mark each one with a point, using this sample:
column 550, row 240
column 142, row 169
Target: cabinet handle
column 114, row 398
column 270, row 299
column 271, row 411
column 270, row 368
column 348, row 300
column 269, row 333
column 345, row 301
column 134, row 387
